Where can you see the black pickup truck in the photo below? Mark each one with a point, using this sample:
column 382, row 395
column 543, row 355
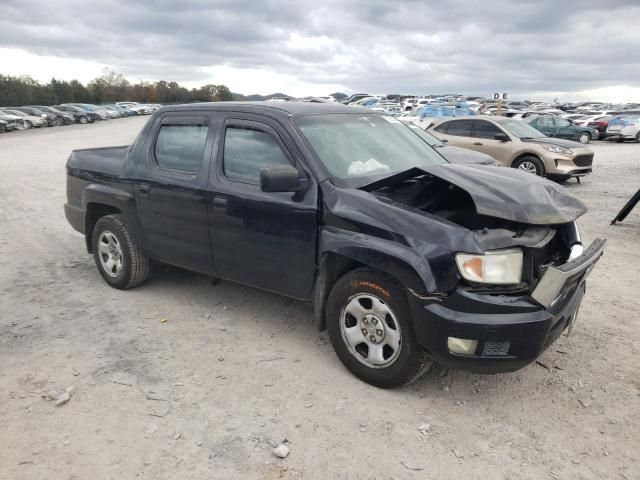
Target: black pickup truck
column 407, row 259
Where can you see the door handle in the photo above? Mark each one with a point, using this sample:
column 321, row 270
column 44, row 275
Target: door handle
column 220, row 203
column 144, row 188
column 477, row 143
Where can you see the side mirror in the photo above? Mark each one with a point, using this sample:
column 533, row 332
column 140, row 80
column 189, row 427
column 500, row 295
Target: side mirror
column 281, row 178
column 503, row 137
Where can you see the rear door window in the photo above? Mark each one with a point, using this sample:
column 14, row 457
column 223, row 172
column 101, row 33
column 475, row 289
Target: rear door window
column 460, row 128
column 180, row 147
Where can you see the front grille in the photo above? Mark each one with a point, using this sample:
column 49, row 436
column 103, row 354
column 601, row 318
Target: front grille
column 583, row 160
column 493, row 349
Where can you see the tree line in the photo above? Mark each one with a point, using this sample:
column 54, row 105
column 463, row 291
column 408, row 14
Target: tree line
column 108, row 88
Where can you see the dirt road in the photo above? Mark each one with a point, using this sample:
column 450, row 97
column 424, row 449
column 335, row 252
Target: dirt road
column 180, row 379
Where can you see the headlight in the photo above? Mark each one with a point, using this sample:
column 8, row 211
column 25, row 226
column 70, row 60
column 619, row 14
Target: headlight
column 557, row 149
column 496, row 267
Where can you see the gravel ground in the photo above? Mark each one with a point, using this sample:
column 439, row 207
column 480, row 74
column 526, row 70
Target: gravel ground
column 181, row 379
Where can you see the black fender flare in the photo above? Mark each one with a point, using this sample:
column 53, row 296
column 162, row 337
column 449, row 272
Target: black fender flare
column 116, row 198
column 393, row 258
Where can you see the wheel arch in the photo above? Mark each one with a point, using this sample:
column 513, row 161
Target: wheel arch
column 526, row 154
column 342, row 252
column 100, row 200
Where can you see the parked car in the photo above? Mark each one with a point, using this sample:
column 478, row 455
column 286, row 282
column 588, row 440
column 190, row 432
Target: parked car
column 79, row 114
column 123, row 111
column 600, row 123
column 449, row 152
column 12, row 122
column 558, row 127
column 29, row 121
column 102, row 113
column 62, row 118
column 4, row 126
column 407, row 259
column 48, row 117
column 140, row 109
column 354, row 98
column 516, row 144
column 624, row 128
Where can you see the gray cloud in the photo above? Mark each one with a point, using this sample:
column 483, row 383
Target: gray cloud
column 375, row 45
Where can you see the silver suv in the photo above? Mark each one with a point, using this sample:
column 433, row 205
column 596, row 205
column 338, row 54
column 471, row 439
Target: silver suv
column 516, row 144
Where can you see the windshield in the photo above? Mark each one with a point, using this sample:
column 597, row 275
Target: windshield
column 358, row 149
column 521, row 129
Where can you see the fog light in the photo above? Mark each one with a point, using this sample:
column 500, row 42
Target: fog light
column 462, row 345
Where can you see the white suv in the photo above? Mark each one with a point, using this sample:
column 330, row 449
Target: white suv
column 624, row 128
column 141, row 109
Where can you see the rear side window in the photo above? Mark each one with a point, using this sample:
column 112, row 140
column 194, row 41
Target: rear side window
column 442, row 128
column 461, row 128
column 544, row 121
column 484, row 129
column 181, row 147
column 247, row 151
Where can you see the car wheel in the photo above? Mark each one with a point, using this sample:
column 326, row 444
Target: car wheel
column 28, row 124
column 530, row 165
column 117, row 255
column 584, row 137
column 59, row 122
column 83, row 119
column 638, row 137
column 370, row 329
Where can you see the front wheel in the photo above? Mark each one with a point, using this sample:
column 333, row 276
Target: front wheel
column 28, row 124
column 584, row 138
column 370, row 329
column 117, row 255
column 530, row 165
column 59, row 122
column 83, row 119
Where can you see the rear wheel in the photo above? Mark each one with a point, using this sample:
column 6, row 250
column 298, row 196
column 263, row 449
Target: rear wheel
column 584, row 137
column 370, row 329
column 530, row 165
column 83, row 119
column 117, row 255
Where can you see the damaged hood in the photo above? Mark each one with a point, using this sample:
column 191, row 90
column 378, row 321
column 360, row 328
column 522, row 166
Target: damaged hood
column 504, row 193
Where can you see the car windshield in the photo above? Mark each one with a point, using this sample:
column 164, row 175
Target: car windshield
column 359, row 149
column 521, row 129
column 16, row 112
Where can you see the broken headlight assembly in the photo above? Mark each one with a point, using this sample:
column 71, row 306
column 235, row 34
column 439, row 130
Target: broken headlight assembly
column 558, row 149
column 497, row 267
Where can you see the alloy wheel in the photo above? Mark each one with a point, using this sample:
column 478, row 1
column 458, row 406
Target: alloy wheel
column 110, row 253
column 529, row 167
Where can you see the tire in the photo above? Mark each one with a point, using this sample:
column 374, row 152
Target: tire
column 83, row 120
column 531, row 165
column 584, row 138
column 28, row 124
column 393, row 367
column 111, row 240
column 59, row 122
column 638, row 137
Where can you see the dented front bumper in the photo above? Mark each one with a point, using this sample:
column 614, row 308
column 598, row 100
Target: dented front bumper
column 511, row 331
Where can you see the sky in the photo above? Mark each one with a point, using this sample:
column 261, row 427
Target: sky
column 536, row 49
